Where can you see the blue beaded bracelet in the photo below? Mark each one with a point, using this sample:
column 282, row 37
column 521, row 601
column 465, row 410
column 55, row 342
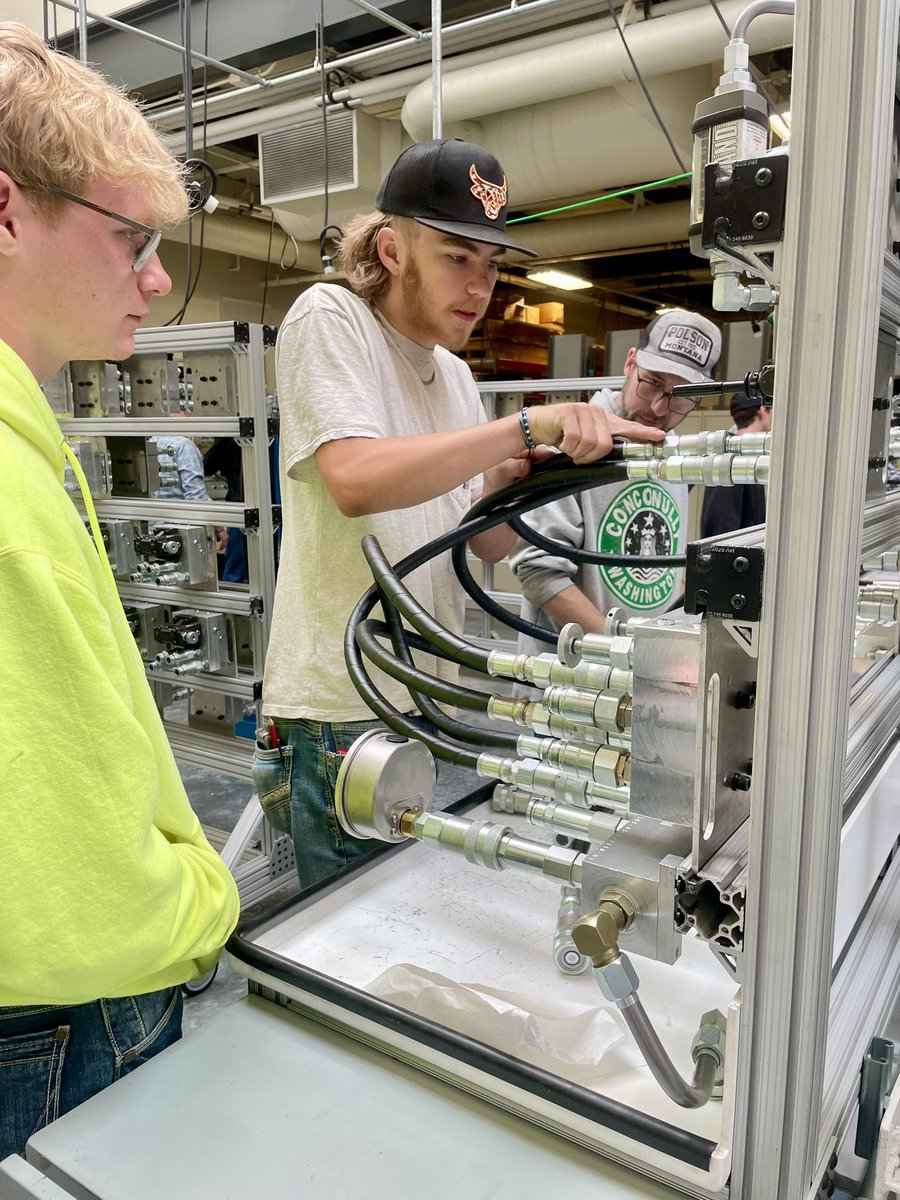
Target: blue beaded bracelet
column 526, row 430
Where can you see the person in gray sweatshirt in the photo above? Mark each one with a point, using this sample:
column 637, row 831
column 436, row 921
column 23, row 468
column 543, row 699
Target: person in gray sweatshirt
column 636, row 518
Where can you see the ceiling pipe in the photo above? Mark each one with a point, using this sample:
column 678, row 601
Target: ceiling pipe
column 289, row 112
column 246, row 238
column 394, row 85
column 587, row 63
column 525, row 15
column 649, row 224
column 595, row 141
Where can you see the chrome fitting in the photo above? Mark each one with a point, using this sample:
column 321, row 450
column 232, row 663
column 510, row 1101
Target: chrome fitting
column 503, row 708
column 508, row 665
column 710, row 1037
column 618, row 981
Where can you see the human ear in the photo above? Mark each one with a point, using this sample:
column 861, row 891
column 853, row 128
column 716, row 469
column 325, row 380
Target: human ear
column 387, row 245
column 10, row 228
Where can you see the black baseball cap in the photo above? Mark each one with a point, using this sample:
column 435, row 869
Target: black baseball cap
column 453, row 186
column 741, row 402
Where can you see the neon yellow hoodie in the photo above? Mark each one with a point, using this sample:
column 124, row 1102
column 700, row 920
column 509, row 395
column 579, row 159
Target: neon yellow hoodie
column 107, row 885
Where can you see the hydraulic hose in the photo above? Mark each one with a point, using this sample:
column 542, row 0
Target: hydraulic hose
column 392, row 717
column 492, row 510
column 598, row 558
column 356, row 669
column 414, row 678
column 388, row 581
column 689, row 1095
column 460, row 732
column 490, row 504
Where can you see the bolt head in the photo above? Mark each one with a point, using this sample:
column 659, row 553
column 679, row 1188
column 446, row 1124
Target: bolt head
column 741, row 563
column 763, row 177
column 760, row 220
column 738, row 602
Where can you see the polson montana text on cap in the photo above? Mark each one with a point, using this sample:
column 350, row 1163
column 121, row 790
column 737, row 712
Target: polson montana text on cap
column 680, row 343
column 452, row 186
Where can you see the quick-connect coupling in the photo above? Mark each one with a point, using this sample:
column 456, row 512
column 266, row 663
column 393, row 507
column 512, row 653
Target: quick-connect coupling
column 888, row 561
column 546, row 780
column 179, row 661
column 542, row 721
column 574, row 645
column 600, row 764
column 587, row 825
column 878, row 602
column 607, row 710
column 172, row 579
column 748, row 468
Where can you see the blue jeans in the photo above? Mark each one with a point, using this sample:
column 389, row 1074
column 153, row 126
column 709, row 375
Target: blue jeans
column 295, row 785
column 53, row 1058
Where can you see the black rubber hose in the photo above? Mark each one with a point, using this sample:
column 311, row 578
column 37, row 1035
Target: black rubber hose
column 353, row 658
column 392, row 717
column 478, row 520
column 388, row 581
column 528, row 534
column 491, row 606
column 460, row 732
column 409, row 674
column 524, row 494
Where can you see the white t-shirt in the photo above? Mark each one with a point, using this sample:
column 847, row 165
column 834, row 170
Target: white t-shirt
column 343, row 371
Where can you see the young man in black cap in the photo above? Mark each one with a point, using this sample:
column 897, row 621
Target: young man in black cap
column 383, row 432
column 739, row 507
column 632, row 518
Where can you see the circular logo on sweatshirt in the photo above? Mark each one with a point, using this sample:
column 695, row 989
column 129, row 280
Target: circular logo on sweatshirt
column 641, row 520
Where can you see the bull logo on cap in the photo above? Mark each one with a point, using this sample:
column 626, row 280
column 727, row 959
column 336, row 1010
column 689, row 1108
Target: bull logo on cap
column 491, row 195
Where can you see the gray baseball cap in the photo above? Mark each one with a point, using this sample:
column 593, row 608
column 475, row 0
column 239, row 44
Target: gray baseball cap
column 680, row 343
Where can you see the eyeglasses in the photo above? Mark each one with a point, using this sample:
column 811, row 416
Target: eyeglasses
column 650, row 392
column 143, row 250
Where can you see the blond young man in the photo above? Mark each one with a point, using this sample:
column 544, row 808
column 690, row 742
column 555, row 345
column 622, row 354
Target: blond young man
column 112, row 897
column 383, row 432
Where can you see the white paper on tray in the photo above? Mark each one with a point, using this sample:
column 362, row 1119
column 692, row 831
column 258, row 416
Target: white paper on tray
column 568, row 1039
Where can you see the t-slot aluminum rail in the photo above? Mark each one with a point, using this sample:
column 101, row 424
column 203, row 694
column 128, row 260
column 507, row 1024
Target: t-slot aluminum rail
column 844, row 67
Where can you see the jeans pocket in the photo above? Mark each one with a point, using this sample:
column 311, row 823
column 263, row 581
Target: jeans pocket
column 139, row 1027
column 31, row 1066
column 271, row 772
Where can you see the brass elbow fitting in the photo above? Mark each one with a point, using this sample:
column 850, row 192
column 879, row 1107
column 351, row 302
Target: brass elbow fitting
column 596, row 934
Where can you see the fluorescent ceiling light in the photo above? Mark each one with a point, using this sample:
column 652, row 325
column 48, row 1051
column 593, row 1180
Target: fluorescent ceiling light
column 780, row 124
column 559, row 279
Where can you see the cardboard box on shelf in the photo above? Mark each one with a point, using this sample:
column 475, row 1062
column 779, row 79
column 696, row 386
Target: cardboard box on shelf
column 515, row 331
column 520, row 353
column 518, row 310
column 552, row 313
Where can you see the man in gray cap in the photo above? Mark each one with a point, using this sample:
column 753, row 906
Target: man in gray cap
column 383, row 432
column 637, row 518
